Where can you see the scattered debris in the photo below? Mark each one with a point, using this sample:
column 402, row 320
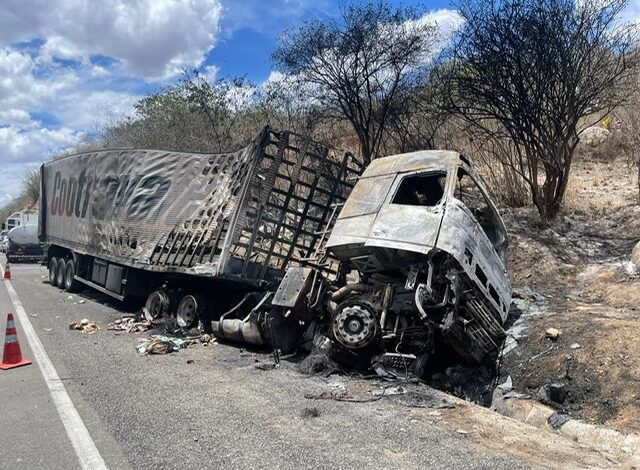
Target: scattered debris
column 206, row 339
column 423, row 400
column 33, row 315
column 158, row 344
column 528, row 293
column 553, row 333
column 327, row 395
column 514, row 394
column 48, row 329
column 82, row 301
column 267, row 366
column 190, row 361
column 162, row 344
column 129, row 324
column 462, row 431
column 556, row 420
column 554, row 392
column 575, row 346
column 507, row 385
column 70, row 297
column 542, row 354
column 557, row 392
column 85, row 326
column 389, row 391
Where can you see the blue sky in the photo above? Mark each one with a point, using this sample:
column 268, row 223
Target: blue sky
column 250, row 30
column 67, row 67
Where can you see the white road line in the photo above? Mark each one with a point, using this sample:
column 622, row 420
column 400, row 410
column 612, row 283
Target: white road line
column 85, row 448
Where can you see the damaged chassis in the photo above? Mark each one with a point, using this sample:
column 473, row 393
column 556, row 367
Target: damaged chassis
column 423, row 256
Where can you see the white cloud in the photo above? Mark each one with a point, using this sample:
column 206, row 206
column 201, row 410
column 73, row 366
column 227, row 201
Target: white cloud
column 25, row 147
column 32, row 144
column 447, row 21
column 210, row 73
column 66, row 66
column 46, row 109
column 151, row 38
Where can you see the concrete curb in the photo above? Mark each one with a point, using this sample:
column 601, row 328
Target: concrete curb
column 614, row 444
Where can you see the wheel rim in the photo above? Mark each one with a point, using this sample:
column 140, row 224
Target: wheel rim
column 187, row 311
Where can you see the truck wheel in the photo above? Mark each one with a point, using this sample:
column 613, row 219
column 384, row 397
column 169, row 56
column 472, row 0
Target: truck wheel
column 190, row 308
column 158, row 305
column 70, row 283
column 53, row 270
column 60, row 271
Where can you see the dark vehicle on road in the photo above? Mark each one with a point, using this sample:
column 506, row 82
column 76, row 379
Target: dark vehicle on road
column 22, row 244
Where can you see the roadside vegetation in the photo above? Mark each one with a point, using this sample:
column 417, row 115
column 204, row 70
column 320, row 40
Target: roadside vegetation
column 543, row 96
column 513, row 88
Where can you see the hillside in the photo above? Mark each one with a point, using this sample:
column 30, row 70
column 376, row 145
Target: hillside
column 576, row 276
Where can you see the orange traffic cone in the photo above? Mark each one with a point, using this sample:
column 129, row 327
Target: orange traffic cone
column 12, row 356
column 7, row 273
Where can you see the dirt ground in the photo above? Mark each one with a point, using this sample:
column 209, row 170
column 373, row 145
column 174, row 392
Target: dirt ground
column 575, row 276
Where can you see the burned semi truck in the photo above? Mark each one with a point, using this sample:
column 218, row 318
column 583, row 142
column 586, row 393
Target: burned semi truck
column 286, row 243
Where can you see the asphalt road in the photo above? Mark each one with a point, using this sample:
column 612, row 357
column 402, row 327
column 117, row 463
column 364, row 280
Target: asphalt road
column 219, row 411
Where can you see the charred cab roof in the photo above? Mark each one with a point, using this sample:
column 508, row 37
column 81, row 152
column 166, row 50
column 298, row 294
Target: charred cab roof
column 415, row 161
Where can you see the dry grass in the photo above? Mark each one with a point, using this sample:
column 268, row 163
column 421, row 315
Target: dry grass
column 599, row 184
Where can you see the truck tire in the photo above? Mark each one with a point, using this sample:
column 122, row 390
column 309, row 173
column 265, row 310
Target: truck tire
column 70, row 283
column 62, row 265
column 158, row 305
column 190, row 309
column 53, row 270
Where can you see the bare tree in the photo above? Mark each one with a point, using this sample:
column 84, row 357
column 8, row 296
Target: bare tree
column 538, row 72
column 30, row 186
column 416, row 119
column 626, row 131
column 357, row 65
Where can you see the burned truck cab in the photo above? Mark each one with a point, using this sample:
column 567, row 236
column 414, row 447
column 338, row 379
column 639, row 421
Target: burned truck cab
column 425, row 249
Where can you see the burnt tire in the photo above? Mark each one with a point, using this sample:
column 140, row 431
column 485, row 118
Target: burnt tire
column 60, row 271
column 70, row 282
column 158, row 305
column 53, row 271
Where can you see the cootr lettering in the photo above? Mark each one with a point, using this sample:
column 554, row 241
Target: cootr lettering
column 134, row 198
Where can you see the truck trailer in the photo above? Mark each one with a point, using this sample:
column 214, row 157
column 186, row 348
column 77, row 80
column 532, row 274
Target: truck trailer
column 188, row 231
column 288, row 244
